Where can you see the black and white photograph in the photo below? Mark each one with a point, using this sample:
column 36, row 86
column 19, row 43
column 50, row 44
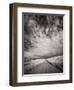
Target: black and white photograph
column 42, row 43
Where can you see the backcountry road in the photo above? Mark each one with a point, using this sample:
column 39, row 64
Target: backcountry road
column 43, row 66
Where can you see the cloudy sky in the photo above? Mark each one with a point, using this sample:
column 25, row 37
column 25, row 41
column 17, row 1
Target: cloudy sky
column 43, row 36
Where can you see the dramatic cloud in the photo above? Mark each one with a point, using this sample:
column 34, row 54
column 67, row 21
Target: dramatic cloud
column 43, row 36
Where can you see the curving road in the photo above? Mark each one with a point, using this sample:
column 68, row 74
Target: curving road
column 51, row 65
